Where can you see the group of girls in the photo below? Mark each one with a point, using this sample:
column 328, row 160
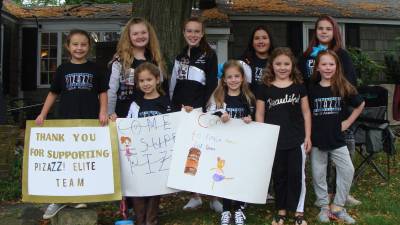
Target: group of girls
column 265, row 85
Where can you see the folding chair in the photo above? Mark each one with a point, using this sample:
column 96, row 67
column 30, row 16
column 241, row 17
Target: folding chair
column 372, row 131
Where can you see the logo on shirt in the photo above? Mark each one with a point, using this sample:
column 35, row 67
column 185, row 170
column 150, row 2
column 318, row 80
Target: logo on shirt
column 258, row 74
column 310, row 67
column 201, row 59
column 327, row 106
column 183, row 69
column 288, row 99
column 235, row 112
column 149, row 113
column 79, row 81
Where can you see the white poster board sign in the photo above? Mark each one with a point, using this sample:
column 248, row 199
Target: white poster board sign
column 231, row 160
column 70, row 161
column 145, row 149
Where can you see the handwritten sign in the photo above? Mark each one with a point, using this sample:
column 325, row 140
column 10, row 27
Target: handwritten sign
column 231, row 160
column 70, row 161
column 145, row 149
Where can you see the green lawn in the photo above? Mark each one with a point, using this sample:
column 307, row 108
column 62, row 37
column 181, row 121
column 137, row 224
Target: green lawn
column 380, row 204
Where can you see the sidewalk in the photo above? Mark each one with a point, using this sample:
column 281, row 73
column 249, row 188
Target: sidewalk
column 18, row 213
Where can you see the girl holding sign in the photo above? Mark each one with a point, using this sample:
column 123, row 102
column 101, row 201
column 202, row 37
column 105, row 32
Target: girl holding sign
column 282, row 100
column 232, row 99
column 151, row 102
column 194, row 78
column 82, row 89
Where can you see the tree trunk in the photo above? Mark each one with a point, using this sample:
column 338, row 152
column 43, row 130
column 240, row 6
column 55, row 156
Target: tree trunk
column 167, row 17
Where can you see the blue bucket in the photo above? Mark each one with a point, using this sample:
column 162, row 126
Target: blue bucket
column 124, row 222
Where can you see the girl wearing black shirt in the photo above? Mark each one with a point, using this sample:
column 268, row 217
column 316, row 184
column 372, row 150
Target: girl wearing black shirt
column 282, row 100
column 232, row 99
column 255, row 57
column 194, row 78
column 330, row 94
column 151, row 102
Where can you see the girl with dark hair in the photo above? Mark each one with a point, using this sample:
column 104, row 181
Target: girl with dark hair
column 193, row 80
column 326, row 36
column 255, row 57
column 82, row 88
column 282, row 100
column 194, row 76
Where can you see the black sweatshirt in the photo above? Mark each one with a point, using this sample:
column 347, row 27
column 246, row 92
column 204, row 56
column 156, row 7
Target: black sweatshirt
column 306, row 66
column 193, row 78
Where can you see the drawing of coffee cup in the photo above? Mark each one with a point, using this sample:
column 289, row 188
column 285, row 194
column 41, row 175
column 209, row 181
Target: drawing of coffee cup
column 192, row 161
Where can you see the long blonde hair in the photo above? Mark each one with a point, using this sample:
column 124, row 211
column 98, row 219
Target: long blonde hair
column 339, row 84
column 125, row 47
column 222, row 88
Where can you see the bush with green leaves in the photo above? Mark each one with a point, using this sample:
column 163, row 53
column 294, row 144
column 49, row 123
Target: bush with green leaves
column 368, row 70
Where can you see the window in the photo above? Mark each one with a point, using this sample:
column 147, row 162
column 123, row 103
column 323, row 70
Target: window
column 52, row 52
column 48, row 57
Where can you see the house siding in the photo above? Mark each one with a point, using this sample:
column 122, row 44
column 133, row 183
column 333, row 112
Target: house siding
column 378, row 40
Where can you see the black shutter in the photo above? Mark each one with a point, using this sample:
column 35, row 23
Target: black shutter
column 29, row 58
column 104, row 54
column 6, row 60
column 352, row 35
column 295, row 37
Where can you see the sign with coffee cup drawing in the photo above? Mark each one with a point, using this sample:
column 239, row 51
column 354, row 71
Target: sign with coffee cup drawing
column 231, row 160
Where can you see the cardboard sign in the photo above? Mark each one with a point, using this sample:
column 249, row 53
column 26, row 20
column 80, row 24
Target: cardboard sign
column 232, row 160
column 70, row 161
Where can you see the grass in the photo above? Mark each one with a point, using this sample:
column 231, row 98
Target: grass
column 380, row 204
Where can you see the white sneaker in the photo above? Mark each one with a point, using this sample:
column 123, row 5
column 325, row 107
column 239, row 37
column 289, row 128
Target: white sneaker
column 52, row 210
column 270, row 198
column 351, row 201
column 194, row 203
column 216, row 206
column 239, row 217
column 226, row 218
column 80, row 206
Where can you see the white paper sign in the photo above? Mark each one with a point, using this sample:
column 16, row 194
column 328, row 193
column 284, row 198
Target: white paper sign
column 68, row 161
column 231, row 160
column 145, row 146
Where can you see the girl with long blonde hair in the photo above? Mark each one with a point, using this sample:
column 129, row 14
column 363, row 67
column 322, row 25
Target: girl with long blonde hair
column 138, row 43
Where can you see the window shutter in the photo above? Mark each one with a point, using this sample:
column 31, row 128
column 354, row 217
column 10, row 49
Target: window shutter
column 29, row 59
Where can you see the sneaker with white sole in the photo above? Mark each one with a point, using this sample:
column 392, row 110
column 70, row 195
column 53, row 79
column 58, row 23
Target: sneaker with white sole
column 226, row 218
column 52, row 210
column 343, row 216
column 216, row 206
column 270, row 198
column 323, row 215
column 193, row 203
column 239, row 217
column 351, row 201
column 80, row 206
